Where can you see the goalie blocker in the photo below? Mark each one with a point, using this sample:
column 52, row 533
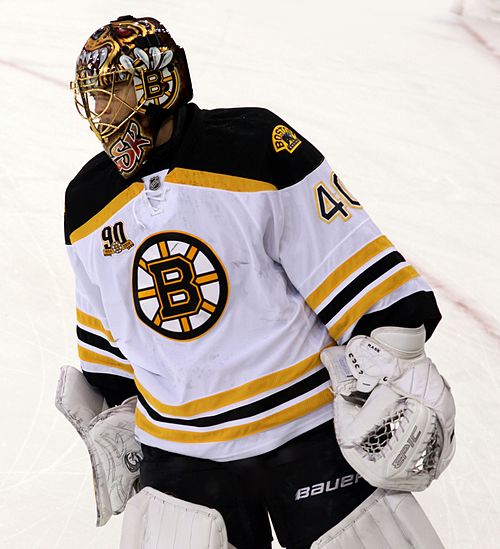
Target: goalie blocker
column 108, row 433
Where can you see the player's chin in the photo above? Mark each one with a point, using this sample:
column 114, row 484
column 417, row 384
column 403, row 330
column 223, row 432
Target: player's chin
column 110, row 121
column 108, row 126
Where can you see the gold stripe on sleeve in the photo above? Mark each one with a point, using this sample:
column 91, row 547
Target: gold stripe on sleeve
column 235, row 395
column 346, row 269
column 108, row 211
column 239, row 431
column 217, row 181
column 94, row 323
column 373, row 296
column 95, row 358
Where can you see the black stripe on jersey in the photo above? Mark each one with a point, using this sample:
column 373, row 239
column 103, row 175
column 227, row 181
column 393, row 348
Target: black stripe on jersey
column 115, row 389
column 368, row 276
column 98, row 342
column 248, row 410
column 409, row 312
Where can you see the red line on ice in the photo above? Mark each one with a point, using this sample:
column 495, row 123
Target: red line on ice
column 479, row 38
column 484, row 320
column 34, row 73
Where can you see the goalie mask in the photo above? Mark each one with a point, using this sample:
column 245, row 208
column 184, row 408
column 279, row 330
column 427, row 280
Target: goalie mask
column 130, row 77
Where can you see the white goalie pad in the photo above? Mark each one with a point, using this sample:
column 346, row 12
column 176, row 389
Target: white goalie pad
column 385, row 520
column 108, row 433
column 153, row 520
column 394, row 413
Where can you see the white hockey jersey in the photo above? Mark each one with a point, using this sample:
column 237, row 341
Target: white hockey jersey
column 215, row 279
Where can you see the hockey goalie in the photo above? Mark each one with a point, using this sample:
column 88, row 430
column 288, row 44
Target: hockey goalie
column 252, row 347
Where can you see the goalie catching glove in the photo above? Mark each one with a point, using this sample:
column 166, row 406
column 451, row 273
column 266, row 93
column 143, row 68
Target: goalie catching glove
column 394, row 412
column 108, row 433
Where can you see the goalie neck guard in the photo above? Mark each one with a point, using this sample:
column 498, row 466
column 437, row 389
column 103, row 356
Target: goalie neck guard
column 130, row 77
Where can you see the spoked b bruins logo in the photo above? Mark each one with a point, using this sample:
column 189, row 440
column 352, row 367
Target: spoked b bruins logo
column 180, row 286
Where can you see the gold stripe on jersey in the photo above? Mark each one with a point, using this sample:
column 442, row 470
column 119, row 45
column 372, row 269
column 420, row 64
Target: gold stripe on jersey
column 221, row 181
column 94, row 323
column 235, row 395
column 371, row 298
column 346, row 269
column 238, row 431
column 108, row 211
column 96, row 358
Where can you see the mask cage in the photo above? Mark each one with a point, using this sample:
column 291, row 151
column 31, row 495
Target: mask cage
column 98, row 99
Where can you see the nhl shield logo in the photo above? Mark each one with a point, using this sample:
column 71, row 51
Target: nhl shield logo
column 180, row 286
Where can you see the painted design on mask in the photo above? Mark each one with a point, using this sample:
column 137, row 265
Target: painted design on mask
column 130, row 150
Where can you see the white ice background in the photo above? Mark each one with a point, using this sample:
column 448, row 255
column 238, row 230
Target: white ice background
column 403, row 101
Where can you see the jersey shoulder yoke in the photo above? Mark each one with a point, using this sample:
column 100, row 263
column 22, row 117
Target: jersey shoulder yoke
column 95, row 186
column 251, row 143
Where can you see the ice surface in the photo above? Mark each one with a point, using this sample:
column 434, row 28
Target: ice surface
column 404, row 103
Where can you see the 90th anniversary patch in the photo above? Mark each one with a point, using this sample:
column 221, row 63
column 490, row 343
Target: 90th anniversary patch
column 180, row 286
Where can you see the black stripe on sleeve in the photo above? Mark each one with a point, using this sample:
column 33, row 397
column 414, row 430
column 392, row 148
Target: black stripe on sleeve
column 98, row 342
column 115, row 389
column 368, row 276
column 409, row 312
column 248, row 410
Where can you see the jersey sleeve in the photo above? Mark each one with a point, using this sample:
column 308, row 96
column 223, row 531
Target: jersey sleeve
column 348, row 272
column 101, row 360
